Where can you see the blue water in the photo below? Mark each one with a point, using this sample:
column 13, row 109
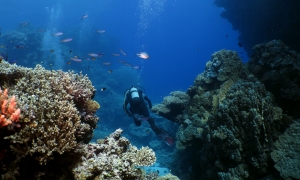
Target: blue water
column 179, row 36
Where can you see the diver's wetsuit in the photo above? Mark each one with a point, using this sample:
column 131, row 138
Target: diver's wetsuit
column 141, row 109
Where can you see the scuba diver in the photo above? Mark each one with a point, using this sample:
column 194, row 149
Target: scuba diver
column 139, row 111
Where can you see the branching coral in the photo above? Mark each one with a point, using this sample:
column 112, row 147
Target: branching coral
column 54, row 110
column 112, row 159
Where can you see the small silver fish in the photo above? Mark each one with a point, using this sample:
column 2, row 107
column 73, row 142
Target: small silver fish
column 136, row 67
column 84, row 16
column 58, row 34
column 95, row 55
column 123, row 52
column 67, row 40
column 100, row 31
column 76, row 59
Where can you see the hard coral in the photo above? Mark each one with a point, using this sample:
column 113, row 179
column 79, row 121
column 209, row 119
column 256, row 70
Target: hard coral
column 286, row 154
column 112, row 159
column 53, row 103
column 172, row 106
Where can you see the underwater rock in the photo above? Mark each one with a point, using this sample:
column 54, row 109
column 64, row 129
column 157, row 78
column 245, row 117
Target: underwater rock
column 231, row 123
column 172, row 106
column 209, row 90
column 279, row 72
column 286, row 154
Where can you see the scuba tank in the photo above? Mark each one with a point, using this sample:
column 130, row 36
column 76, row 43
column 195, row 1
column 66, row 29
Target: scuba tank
column 134, row 95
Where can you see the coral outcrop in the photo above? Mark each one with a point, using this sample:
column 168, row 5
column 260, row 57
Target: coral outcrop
column 56, row 112
column 113, row 158
column 231, row 122
column 243, row 131
column 52, row 104
column 286, row 153
column 172, row 106
column 54, row 128
column 278, row 67
column 208, row 91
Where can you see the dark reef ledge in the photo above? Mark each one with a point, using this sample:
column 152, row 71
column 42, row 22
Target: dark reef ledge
column 262, row 21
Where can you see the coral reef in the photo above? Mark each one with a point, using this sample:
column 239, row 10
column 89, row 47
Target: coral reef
column 168, row 177
column 278, row 67
column 230, row 124
column 56, row 113
column 52, row 103
column 57, row 121
column 286, row 154
column 172, row 106
column 208, row 91
column 113, row 158
column 243, row 131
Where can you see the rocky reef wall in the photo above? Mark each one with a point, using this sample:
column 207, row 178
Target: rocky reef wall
column 232, row 124
column 263, row 21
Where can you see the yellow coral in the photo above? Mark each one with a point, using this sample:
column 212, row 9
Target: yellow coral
column 218, row 98
column 92, row 106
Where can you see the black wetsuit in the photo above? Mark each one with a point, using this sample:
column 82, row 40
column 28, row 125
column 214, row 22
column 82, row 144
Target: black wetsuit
column 141, row 109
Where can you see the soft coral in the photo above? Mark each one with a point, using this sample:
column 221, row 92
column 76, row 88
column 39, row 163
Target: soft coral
column 9, row 112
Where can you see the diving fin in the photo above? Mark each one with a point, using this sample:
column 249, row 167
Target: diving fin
column 166, row 137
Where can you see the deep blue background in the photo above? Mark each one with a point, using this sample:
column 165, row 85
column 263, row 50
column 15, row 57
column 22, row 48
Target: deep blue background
column 179, row 36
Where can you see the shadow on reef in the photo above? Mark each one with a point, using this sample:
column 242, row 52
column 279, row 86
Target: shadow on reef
column 278, row 68
column 231, row 123
column 263, row 21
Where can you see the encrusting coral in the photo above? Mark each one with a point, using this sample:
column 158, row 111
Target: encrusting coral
column 286, row 153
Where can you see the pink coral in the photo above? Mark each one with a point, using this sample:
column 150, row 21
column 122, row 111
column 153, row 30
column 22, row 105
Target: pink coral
column 9, row 112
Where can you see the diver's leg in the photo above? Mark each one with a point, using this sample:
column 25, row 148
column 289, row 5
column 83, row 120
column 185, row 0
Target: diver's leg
column 137, row 122
column 162, row 134
column 153, row 126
